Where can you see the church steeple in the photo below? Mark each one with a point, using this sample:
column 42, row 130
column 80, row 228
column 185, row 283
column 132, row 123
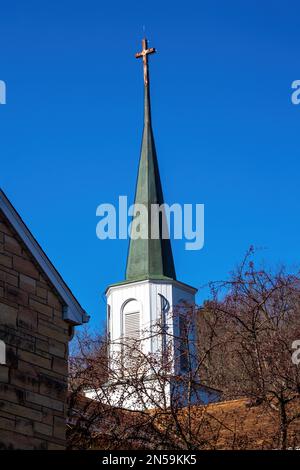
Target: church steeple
column 149, row 258
column 150, row 295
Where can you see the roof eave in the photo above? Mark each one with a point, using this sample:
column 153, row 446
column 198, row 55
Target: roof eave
column 158, row 279
column 72, row 311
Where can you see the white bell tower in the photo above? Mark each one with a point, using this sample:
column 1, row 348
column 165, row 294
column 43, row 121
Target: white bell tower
column 134, row 308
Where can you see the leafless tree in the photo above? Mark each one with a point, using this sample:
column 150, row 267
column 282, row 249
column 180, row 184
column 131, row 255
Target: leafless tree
column 257, row 312
column 122, row 397
column 136, row 399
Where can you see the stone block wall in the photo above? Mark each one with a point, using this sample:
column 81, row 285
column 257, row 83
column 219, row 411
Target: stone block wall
column 33, row 383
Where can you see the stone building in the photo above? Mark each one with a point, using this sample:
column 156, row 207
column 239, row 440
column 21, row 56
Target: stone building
column 38, row 313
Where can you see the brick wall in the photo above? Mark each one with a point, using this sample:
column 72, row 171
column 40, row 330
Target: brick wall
column 33, row 384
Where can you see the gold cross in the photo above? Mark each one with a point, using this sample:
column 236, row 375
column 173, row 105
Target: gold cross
column 144, row 53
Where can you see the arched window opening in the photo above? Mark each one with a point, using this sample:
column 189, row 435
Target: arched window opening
column 131, row 320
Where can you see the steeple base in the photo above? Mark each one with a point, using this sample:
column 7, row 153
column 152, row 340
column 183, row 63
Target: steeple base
column 171, row 393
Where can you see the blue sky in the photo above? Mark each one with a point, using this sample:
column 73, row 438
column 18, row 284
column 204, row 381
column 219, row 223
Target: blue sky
column 227, row 134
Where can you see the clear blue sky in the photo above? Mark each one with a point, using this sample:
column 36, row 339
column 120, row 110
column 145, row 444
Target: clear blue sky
column 226, row 132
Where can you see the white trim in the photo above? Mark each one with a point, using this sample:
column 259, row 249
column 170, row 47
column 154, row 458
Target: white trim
column 72, row 311
column 181, row 285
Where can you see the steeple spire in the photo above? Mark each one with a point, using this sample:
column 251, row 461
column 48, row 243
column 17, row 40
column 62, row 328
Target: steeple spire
column 149, row 258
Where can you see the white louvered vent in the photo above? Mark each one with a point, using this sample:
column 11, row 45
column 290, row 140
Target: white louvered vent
column 132, row 325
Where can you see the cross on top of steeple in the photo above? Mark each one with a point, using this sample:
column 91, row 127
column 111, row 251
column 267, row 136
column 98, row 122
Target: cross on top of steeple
column 144, row 54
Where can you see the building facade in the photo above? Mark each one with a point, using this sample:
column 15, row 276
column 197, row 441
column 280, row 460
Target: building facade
column 38, row 313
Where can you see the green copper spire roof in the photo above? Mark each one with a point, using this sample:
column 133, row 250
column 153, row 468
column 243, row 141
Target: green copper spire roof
column 149, row 258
